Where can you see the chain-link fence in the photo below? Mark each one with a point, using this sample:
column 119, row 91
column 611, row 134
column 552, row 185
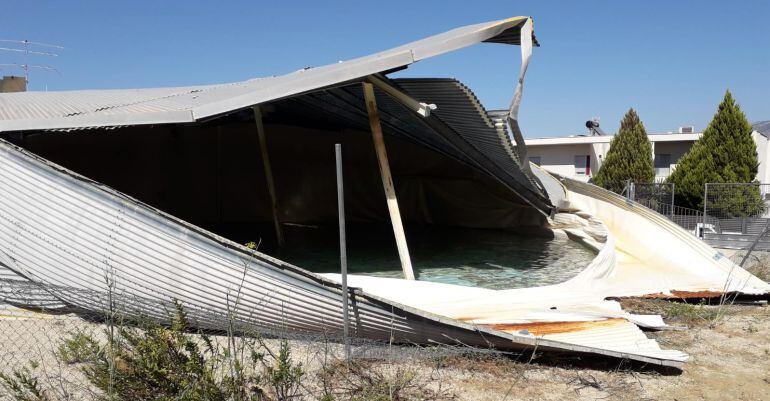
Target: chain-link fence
column 736, row 214
column 51, row 351
column 658, row 196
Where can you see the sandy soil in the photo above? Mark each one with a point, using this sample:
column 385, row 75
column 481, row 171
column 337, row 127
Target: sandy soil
column 730, row 359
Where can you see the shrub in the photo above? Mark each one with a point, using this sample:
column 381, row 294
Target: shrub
column 22, row 385
column 153, row 362
column 367, row 381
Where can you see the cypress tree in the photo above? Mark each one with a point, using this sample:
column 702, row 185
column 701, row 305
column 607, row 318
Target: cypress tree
column 725, row 153
column 629, row 157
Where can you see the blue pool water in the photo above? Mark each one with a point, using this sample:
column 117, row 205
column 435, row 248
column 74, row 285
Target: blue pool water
column 495, row 259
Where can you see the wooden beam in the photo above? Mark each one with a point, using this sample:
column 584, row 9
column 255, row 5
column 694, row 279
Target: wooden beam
column 268, row 173
column 387, row 181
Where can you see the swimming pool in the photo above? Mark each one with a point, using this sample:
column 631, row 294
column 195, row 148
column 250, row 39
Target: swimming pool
column 495, row 259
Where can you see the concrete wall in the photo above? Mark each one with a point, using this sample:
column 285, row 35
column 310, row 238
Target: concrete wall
column 598, row 153
column 763, row 172
column 675, row 149
column 560, row 159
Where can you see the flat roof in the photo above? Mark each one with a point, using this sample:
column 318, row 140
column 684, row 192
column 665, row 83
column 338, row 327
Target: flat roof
column 581, row 139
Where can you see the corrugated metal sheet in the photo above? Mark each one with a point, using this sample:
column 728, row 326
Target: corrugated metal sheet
column 461, row 110
column 92, row 235
column 660, row 257
column 96, row 239
column 555, row 190
column 470, row 136
column 574, row 312
column 79, row 109
column 74, row 235
column 459, row 128
column 24, row 293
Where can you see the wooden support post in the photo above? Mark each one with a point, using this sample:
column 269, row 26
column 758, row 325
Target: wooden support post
column 268, row 173
column 387, row 181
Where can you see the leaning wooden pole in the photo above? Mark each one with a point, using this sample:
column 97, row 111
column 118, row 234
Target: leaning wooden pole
column 268, row 173
column 387, row 181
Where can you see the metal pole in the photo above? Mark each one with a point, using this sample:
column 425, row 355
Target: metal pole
column 628, row 194
column 343, row 252
column 673, row 193
column 754, row 244
column 705, row 201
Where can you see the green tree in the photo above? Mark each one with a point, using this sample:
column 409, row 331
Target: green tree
column 725, row 153
column 629, row 157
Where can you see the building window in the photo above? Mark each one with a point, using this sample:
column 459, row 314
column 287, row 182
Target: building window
column 582, row 165
column 662, row 164
column 535, row 159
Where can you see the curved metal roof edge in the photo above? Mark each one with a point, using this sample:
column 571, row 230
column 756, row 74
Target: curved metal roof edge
column 281, row 86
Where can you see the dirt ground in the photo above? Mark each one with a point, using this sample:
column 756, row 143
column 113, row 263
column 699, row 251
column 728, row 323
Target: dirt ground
column 729, row 349
column 730, row 360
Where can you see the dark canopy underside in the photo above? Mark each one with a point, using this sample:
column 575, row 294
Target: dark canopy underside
column 211, row 174
column 460, row 128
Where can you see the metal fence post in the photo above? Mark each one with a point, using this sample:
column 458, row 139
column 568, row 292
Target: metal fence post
column 673, row 193
column 705, row 202
column 343, row 252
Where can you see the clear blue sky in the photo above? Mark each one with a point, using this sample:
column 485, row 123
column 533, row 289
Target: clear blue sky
column 671, row 60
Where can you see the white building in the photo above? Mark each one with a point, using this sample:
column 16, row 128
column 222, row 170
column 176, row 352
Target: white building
column 761, row 135
column 581, row 156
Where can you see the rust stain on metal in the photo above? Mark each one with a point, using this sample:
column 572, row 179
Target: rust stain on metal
column 542, row 328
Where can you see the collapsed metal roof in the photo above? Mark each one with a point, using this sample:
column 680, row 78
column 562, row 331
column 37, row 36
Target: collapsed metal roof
column 461, row 128
column 64, row 231
column 105, row 108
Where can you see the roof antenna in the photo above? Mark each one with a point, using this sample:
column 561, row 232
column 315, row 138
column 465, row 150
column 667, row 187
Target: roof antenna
column 593, row 127
column 28, row 48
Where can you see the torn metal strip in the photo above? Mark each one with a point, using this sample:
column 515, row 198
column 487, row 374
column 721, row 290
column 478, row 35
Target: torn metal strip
column 513, row 113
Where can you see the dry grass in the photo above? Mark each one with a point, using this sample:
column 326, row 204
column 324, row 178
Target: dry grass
column 730, row 360
column 677, row 313
column 760, row 267
column 758, row 263
column 378, row 381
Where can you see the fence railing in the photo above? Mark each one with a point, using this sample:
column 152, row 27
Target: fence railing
column 736, row 214
column 687, row 218
column 733, row 216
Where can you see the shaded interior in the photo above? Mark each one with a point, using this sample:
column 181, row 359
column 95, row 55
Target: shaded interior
column 212, row 175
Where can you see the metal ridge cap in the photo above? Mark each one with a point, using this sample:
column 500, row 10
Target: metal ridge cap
column 311, row 79
column 98, row 121
column 331, row 74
